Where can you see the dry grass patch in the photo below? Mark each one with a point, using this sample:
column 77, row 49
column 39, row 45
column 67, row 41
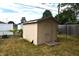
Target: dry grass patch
column 15, row 46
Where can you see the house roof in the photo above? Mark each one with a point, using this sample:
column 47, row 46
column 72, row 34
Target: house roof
column 39, row 20
column 2, row 22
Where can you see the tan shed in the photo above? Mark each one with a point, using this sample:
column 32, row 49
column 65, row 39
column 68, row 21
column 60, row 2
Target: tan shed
column 41, row 30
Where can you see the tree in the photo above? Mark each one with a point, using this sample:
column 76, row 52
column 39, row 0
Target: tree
column 73, row 6
column 23, row 20
column 66, row 16
column 47, row 13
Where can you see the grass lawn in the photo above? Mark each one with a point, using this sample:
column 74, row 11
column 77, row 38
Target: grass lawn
column 15, row 46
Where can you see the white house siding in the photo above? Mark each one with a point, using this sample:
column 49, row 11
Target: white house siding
column 20, row 26
column 5, row 29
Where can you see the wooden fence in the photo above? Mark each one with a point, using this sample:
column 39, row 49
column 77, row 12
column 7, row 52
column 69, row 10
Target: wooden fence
column 69, row 29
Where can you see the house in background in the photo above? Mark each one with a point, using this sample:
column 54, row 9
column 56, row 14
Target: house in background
column 2, row 22
column 5, row 28
column 14, row 25
column 40, row 31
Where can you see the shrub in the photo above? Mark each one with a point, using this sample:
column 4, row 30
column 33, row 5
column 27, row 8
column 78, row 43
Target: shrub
column 4, row 36
column 21, row 32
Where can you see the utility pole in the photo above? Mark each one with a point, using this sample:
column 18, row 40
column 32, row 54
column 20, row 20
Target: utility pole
column 58, row 10
column 75, row 11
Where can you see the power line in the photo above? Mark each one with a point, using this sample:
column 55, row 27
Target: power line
column 36, row 6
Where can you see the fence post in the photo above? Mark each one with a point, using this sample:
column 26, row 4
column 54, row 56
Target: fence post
column 66, row 31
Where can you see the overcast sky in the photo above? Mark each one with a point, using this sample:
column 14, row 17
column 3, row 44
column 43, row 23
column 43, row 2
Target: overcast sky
column 13, row 10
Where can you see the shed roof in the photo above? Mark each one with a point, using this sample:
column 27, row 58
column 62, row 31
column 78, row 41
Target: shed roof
column 39, row 20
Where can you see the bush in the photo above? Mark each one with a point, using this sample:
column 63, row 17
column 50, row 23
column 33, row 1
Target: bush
column 14, row 31
column 4, row 36
column 21, row 32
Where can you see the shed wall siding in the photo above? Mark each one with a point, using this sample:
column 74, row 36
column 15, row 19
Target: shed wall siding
column 30, row 32
column 47, row 31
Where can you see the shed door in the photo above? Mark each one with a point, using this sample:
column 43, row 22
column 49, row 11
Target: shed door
column 47, row 32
